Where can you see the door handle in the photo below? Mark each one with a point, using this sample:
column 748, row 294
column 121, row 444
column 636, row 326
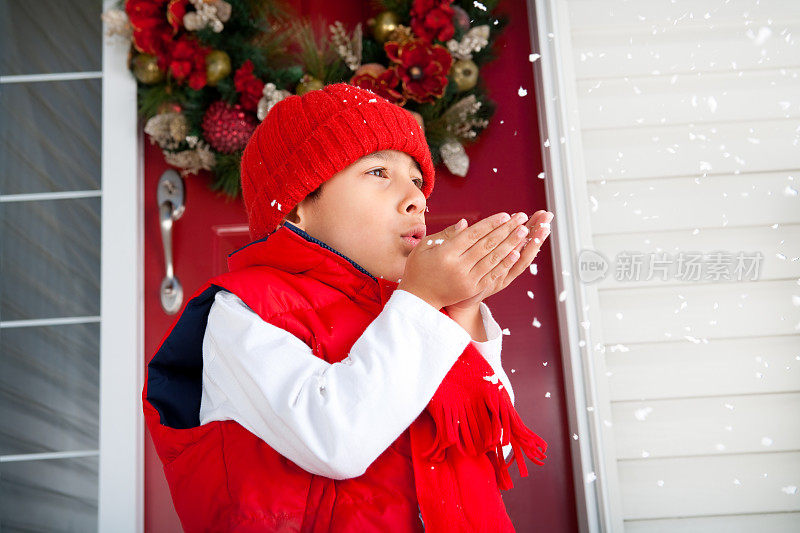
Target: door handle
column 170, row 195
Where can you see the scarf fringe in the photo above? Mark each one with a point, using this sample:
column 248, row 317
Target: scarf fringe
column 475, row 425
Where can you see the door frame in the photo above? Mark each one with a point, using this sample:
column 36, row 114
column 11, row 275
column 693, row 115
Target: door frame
column 597, row 494
column 121, row 462
column 121, row 439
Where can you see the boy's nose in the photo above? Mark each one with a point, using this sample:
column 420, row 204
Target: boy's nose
column 416, row 201
column 415, row 206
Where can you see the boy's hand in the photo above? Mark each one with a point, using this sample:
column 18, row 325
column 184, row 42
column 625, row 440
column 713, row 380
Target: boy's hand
column 528, row 250
column 461, row 264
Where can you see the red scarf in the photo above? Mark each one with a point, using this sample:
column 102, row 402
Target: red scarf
column 468, row 413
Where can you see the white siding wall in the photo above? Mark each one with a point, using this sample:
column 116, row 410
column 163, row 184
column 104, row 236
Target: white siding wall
column 689, row 117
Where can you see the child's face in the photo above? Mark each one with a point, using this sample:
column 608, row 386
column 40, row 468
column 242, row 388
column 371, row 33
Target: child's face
column 364, row 211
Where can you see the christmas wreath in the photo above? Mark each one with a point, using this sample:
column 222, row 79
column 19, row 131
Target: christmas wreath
column 208, row 71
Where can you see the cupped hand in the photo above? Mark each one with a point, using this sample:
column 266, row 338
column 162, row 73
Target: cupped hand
column 521, row 256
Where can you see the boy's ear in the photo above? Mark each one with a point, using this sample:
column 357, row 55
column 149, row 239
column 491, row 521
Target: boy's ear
column 294, row 216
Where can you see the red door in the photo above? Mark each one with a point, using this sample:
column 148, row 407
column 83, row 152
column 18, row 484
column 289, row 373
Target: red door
column 504, row 165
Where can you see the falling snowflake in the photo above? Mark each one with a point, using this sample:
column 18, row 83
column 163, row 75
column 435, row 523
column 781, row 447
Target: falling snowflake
column 522, row 92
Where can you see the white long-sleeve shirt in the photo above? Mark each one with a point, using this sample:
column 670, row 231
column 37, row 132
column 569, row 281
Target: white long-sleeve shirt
column 333, row 419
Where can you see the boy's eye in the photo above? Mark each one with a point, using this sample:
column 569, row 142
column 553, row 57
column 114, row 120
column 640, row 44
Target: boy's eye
column 418, row 181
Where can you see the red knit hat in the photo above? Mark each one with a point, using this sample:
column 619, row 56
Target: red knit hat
column 304, row 140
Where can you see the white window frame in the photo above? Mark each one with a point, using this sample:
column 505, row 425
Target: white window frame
column 121, row 463
column 597, row 495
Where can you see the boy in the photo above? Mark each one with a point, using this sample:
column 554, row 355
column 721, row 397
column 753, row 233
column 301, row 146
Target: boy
column 329, row 381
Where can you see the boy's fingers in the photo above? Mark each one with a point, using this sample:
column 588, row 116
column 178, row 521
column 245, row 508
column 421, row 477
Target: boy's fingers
column 530, row 249
column 465, row 238
column 485, row 246
column 452, row 230
column 501, row 251
column 501, row 270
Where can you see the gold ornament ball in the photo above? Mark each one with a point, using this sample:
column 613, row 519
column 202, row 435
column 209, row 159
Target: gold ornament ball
column 145, row 68
column 465, row 74
column 218, row 66
column 308, row 83
column 384, row 24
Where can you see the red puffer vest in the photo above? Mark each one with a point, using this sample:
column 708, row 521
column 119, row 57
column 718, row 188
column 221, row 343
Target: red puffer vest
column 224, row 478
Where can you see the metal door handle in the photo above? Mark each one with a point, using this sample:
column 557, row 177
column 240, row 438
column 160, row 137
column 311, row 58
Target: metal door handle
column 170, row 197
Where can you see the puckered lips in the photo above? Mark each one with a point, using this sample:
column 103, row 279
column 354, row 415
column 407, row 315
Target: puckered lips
column 414, row 235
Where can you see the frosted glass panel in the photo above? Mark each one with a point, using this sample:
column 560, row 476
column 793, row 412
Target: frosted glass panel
column 49, row 387
column 50, row 142
column 43, row 36
column 50, row 258
column 50, row 136
column 49, row 495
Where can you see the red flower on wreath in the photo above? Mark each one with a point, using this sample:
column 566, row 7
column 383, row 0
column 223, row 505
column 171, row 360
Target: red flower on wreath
column 187, row 60
column 432, row 19
column 151, row 32
column 380, row 80
column 250, row 87
column 422, row 67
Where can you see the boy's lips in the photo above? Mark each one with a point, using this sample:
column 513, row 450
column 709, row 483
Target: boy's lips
column 411, row 241
column 417, row 232
column 414, row 235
